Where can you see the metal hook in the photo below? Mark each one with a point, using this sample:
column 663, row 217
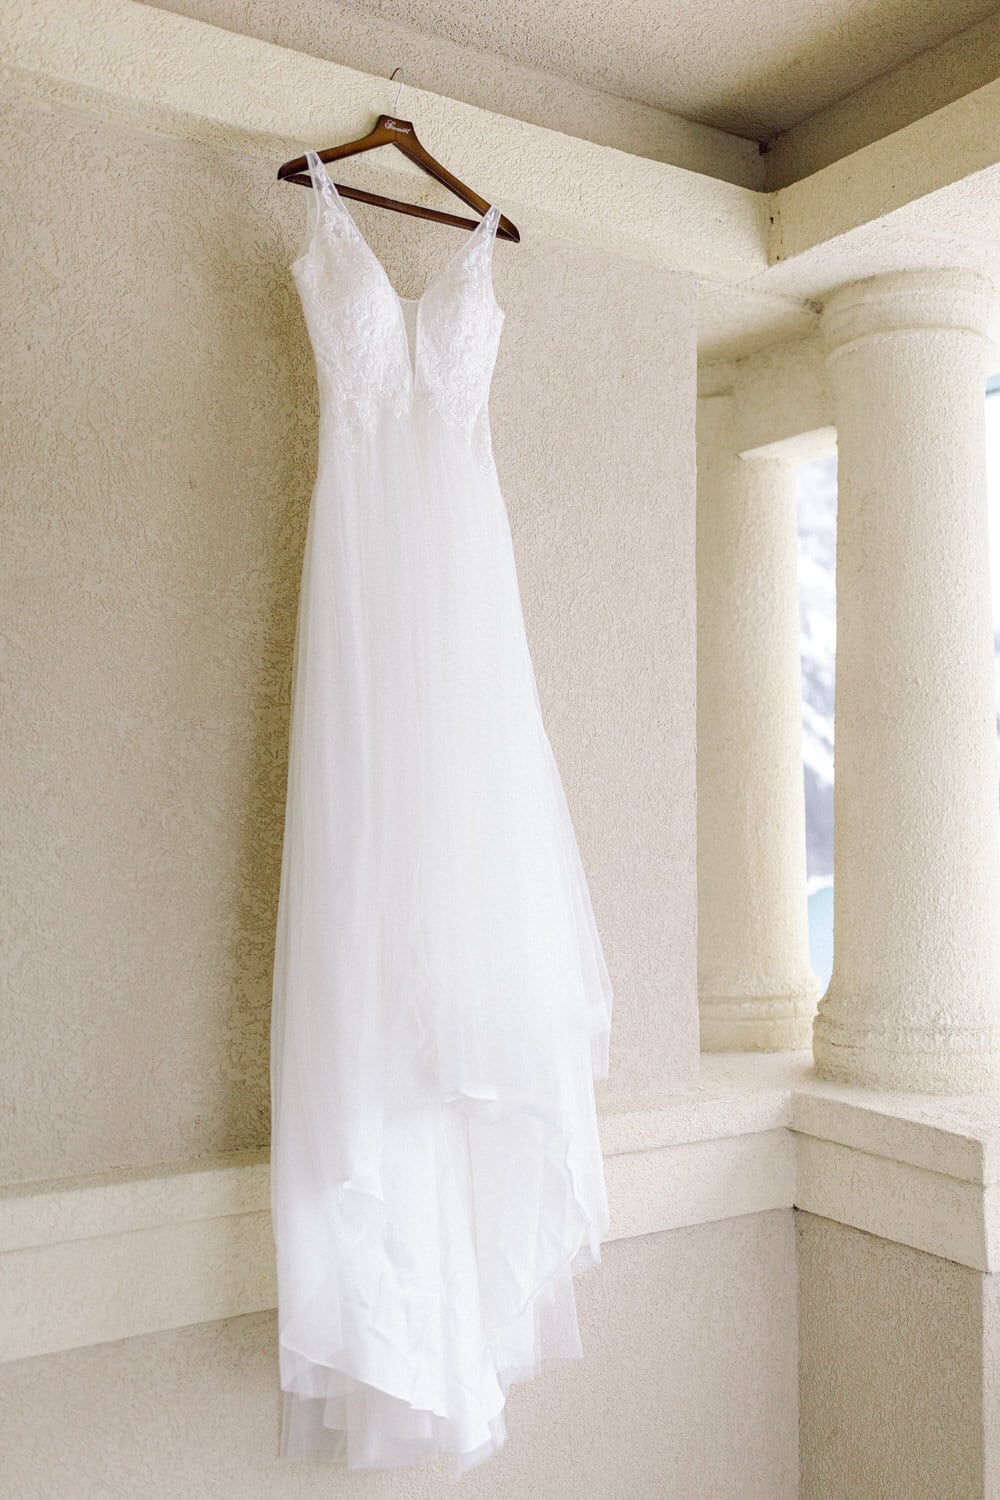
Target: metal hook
column 392, row 75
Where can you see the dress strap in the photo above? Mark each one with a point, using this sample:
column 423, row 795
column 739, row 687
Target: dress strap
column 324, row 192
column 488, row 225
column 486, row 234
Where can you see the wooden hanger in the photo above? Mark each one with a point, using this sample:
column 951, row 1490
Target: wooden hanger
column 391, row 131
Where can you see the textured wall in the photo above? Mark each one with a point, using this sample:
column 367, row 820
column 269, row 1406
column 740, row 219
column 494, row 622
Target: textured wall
column 917, row 87
column 376, row 44
column 890, row 1369
column 702, row 59
column 158, row 461
column 859, row 74
column 991, row 1386
column 708, row 60
column 686, row 1392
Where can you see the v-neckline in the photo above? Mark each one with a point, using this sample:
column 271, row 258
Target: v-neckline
column 438, row 274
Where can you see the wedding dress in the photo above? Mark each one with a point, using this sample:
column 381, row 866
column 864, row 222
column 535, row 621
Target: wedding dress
column 441, row 1001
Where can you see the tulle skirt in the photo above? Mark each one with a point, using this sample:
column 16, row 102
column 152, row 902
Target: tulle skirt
column 441, row 1001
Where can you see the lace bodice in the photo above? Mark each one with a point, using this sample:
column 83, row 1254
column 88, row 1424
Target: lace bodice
column 377, row 352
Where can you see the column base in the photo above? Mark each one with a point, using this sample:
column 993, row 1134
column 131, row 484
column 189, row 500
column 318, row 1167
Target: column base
column 914, row 1059
column 758, row 1023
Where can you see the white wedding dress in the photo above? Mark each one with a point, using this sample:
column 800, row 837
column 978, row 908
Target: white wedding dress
column 441, row 1000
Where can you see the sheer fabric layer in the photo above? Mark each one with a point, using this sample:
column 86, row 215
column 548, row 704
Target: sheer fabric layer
column 441, row 1001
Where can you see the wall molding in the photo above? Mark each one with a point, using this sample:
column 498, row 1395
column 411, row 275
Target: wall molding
column 89, row 1260
column 156, row 70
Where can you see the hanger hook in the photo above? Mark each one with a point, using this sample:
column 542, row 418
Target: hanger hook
column 392, row 75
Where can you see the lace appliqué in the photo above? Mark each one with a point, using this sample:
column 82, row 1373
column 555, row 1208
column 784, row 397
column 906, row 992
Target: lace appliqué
column 352, row 325
column 459, row 333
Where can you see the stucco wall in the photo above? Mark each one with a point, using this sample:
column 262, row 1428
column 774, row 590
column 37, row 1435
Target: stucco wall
column 360, row 38
column 686, row 1392
column 158, row 461
column 891, row 1369
column 158, row 458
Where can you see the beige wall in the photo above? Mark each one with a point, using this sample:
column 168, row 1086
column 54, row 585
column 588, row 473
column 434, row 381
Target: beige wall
column 158, row 457
column 360, row 38
column 891, row 1369
column 686, row 1392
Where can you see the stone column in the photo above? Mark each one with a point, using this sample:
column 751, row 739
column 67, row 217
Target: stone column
column 914, row 999
column 756, row 989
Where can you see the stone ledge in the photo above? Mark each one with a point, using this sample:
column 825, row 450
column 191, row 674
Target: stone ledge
column 87, row 1260
column 152, row 69
column 156, row 70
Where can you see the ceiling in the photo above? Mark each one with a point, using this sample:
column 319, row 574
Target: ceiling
column 747, row 68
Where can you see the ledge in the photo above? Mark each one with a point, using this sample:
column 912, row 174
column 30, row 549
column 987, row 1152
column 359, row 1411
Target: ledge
column 154, row 70
column 910, row 166
column 88, row 1260
column 926, row 195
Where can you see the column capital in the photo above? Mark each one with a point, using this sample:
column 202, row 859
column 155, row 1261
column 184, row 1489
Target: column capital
column 907, row 301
